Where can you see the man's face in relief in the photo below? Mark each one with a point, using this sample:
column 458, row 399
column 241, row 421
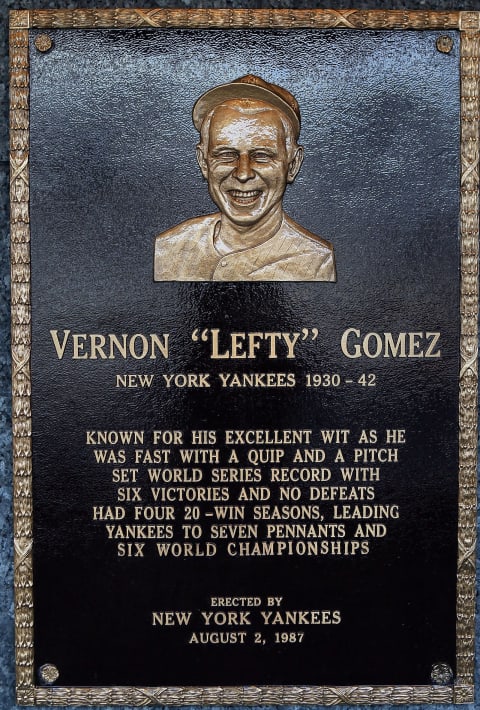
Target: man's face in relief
column 248, row 156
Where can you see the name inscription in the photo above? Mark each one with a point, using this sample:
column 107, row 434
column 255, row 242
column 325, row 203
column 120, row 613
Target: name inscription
column 244, row 345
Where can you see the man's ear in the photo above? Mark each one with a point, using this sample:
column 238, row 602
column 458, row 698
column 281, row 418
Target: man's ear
column 202, row 161
column 295, row 164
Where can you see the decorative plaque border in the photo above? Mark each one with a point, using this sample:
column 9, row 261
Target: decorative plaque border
column 468, row 24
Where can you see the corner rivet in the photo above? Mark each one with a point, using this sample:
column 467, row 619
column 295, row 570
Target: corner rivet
column 441, row 674
column 43, row 43
column 444, row 44
column 48, row 673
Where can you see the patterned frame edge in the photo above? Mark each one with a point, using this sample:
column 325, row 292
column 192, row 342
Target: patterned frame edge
column 469, row 25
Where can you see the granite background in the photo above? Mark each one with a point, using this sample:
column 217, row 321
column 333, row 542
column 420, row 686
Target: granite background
column 7, row 672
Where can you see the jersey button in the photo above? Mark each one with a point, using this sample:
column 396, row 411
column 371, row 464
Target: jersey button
column 223, row 263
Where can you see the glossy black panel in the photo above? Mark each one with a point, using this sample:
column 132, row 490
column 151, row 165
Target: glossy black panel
column 112, row 165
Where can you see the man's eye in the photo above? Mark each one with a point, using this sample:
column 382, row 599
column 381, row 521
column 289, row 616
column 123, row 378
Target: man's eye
column 261, row 157
column 227, row 156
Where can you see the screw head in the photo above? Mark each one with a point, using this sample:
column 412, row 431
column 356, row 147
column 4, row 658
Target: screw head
column 441, row 674
column 48, row 673
column 444, row 44
column 43, row 43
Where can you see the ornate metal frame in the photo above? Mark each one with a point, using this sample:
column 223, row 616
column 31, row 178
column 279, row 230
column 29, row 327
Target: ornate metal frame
column 468, row 24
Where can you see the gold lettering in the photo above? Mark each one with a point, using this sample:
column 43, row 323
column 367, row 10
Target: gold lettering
column 94, row 346
column 60, row 348
column 414, row 344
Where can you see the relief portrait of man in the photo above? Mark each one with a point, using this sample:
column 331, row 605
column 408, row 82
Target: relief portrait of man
column 248, row 153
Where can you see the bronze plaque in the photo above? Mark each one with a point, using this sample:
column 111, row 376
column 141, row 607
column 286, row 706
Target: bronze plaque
column 244, row 286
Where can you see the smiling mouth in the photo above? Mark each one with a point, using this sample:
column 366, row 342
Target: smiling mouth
column 244, row 197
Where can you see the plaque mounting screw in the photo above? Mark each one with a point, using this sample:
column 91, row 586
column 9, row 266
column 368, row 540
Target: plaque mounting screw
column 444, row 44
column 43, row 43
column 48, row 673
column 441, row 674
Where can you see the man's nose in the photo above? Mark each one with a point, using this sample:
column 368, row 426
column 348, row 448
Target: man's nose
column 243, row 170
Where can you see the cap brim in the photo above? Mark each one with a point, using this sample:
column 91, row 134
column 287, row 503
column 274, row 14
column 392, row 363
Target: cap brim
column 240, row 90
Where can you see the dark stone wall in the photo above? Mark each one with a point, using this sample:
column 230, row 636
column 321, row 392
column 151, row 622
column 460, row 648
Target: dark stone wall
column 7, row 672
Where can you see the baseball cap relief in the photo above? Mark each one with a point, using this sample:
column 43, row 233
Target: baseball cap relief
column 248, row 87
